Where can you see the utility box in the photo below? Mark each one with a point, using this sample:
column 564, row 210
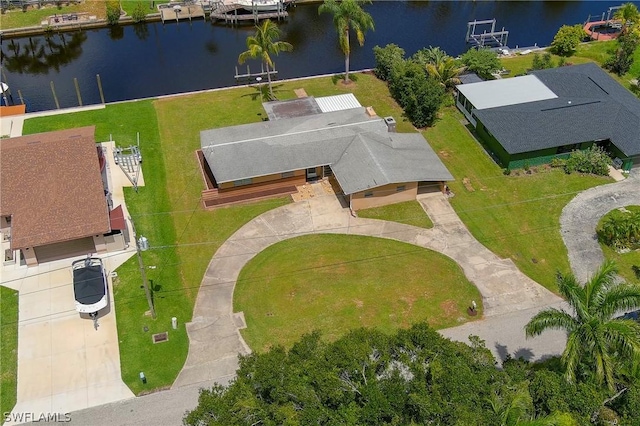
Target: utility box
column 391, row 124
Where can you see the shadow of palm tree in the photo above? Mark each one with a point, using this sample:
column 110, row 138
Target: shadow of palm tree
column 336, row 78
column 261, row 91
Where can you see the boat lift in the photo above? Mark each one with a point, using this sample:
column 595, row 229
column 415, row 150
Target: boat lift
column 490, row 38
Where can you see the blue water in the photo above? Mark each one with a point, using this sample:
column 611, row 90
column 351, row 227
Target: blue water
column 156, row 59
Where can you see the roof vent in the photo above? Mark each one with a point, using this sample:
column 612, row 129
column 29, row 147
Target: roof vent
column 391, row 124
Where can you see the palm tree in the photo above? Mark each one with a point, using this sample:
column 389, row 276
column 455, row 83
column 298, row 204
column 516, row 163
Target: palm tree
column 263, row 44
column 348, row 15
column 430, row 55
column 446, row 71
column 628, row 14
column 597, row 339
column 516, row 409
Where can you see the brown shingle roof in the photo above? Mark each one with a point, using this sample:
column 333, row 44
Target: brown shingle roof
column 51, row 185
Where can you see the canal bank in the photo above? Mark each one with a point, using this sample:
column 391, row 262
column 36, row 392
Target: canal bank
column 141, row 61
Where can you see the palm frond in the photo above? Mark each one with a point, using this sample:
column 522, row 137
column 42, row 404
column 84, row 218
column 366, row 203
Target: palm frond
column 551, row 318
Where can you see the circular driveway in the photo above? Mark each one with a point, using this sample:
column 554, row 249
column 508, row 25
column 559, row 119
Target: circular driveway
column 580, row 218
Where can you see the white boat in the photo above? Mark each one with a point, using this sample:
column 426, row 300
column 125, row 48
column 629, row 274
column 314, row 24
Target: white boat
column 260, row 5
column 89, row 286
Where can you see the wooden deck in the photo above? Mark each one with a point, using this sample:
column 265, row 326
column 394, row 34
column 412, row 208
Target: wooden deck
column 180, row 11
column 216, row 197
column 603, row 36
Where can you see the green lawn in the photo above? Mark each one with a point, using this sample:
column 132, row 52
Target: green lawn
column 322, row 282
column 16, row 18
column 595, row 51
column 168, row 209
column 8, row 349
column 168, row 212
column 516, row 217
column 625, row 261
column 409, row 213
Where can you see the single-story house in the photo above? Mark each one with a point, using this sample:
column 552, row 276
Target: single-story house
column 549, row 113
column 52, row 199
column 358, row 151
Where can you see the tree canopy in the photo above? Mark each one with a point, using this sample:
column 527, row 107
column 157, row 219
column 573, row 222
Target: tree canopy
column 567, row 39
column 483, row 62
column 412, row 377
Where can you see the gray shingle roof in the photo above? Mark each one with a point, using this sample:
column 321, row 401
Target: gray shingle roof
column 360, row 150
column 590, row 106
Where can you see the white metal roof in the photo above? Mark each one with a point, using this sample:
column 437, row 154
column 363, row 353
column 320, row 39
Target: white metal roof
column 507, row 91
column 337, row 102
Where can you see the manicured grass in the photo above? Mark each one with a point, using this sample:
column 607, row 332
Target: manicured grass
column 16, row 18
column 8, row 349
column 521, row 64
column 168, row 212
column 516, row 217
column 409, row 213
column 625, row 261
column 323, row 282
column 595, row 51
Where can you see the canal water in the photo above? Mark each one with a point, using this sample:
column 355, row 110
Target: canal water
column 140, row 61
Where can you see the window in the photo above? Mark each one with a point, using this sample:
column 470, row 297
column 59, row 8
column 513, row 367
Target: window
column 242, row 182
column 368, row 194
column 400, row 188
column 286, row 174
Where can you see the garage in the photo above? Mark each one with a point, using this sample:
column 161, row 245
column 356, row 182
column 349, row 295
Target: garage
column 63, row 250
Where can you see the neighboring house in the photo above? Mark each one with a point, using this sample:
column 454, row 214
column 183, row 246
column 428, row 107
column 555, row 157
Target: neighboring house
column 52, row 198
column 358, row 151
column 549, row 113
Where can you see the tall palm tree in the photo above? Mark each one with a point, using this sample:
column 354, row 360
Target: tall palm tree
column 628, row 14
column 348, row 15
column 446, row 71
column 597, row 339
column 264, row 43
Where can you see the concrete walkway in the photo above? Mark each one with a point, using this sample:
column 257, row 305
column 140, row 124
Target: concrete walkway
column 214, row 335
column 580, row 218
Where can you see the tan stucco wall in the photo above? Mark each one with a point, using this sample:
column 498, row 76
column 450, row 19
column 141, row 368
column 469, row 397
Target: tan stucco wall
column 29, row 256
column 260, row 179
column 100, row 243
column 384, row 195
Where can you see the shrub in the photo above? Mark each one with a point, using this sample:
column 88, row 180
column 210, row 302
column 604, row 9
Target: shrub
column 593, row 160
column 386, row 58
column 558, row 162
column 621, row 59
column 113, row 12
column 542, row 62
column 139, row 13
column 621, row 230
column 483, row 62
column 567, row 39
column 418, row 95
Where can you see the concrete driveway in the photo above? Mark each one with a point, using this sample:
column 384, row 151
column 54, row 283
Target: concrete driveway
column 214, row 337
column 580, row 218
column 64, row 364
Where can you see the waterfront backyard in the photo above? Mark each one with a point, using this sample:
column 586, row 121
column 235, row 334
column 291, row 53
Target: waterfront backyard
column 514, row 216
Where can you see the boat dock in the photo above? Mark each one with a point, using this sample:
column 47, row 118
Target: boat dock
column 491, row 38
column 178, row 11
column 232, row 12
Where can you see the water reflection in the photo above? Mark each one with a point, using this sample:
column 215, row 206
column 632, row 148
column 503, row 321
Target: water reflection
column 40, row 55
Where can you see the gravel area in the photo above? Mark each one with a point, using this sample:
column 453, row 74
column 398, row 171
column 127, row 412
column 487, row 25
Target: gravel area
column 580, row 218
